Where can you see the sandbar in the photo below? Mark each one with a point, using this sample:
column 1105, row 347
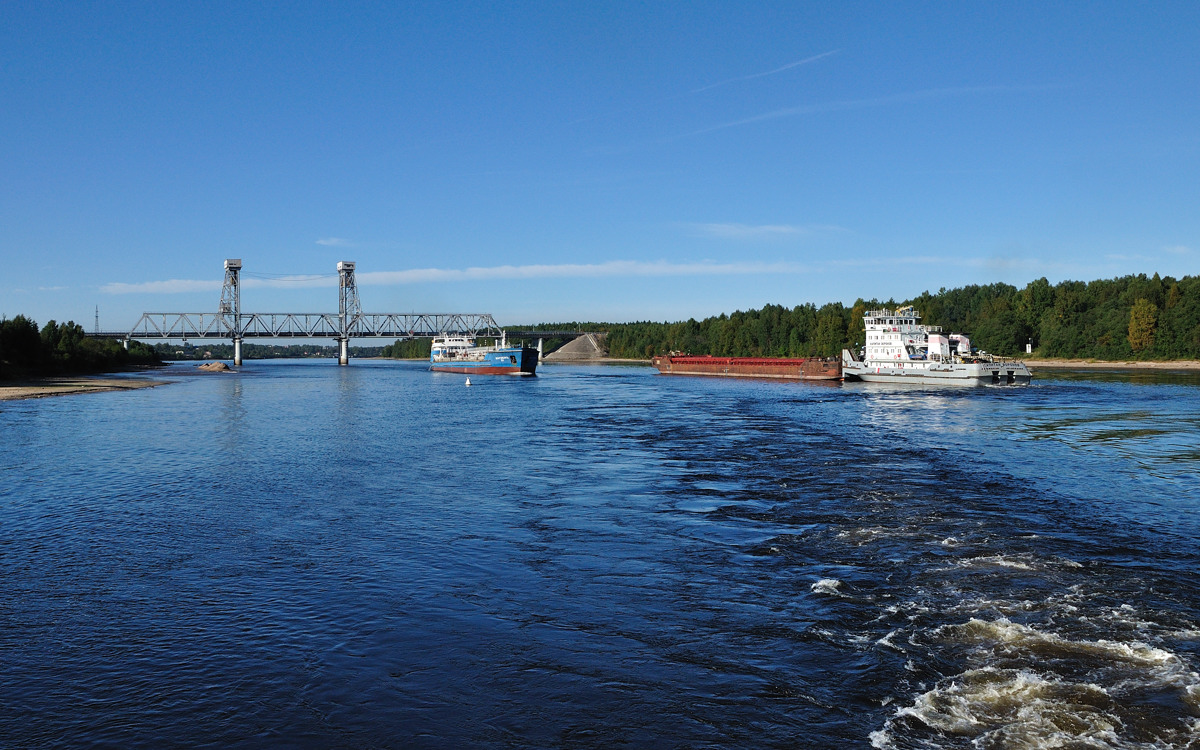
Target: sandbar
column 1092, row 364
column 68, row 386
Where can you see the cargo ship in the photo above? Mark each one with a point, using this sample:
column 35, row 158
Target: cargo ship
column 809, row 368
column 901, row 350
column 460, row 354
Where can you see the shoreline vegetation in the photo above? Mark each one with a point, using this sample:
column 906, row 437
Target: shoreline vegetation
column 62, row 349
column 1132, row 322
column 1139, row 319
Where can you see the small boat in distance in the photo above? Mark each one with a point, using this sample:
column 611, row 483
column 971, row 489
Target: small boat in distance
column 808, row 368
column 899, row 350
column 460, row 354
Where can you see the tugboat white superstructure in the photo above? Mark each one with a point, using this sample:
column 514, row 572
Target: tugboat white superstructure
column 900, row 350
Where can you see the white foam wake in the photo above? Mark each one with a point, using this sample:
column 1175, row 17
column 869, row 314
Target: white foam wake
column 828, row 586
column 1099, row 700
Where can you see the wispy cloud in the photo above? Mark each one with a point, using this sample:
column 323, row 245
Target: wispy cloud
column 51, row 288
column 170, row 286
column 185, row 286
column 616, row 268
column 752, row 76
column 761, row 231
column 989, row 263
column 878, row 101
column 610, row 269
column 1178, row 250
column 335, row 242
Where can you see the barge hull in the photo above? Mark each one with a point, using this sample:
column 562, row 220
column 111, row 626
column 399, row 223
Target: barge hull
column 751, row 367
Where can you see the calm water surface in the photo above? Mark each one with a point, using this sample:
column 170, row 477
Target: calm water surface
column 302, row 555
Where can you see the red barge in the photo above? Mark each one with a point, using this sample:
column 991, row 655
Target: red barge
column 810, row 368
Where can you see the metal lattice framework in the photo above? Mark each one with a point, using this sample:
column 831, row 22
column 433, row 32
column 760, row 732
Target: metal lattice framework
column 156, row 325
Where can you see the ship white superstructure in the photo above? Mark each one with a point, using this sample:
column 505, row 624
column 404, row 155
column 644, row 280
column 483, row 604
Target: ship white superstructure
column 898, row 349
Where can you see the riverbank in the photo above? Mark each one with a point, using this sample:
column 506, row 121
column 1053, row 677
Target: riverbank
column 68, row 386
column 1092, row 364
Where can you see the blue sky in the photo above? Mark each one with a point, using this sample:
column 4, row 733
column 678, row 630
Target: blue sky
column 587, row 161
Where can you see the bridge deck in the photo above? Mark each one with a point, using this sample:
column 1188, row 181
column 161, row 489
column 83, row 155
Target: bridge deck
column 317, row 325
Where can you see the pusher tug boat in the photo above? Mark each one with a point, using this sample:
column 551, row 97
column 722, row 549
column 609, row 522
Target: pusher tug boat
column 900, row 350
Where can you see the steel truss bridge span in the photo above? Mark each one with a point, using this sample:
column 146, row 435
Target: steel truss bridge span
column 153, row 325
column 229, row 322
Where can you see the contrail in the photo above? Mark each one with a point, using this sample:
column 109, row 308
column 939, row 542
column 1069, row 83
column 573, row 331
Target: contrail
column 751, row 77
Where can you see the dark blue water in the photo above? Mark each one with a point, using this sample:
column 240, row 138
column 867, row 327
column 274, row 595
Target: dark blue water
column 302, row 555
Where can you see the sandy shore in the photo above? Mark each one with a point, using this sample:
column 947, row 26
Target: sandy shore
column 68, row 386
column 1092, row 364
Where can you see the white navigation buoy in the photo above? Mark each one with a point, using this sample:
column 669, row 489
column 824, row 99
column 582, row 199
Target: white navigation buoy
column 468, row 382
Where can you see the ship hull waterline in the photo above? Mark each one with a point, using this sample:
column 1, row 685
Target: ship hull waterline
column 954, row 375
column 520, row 362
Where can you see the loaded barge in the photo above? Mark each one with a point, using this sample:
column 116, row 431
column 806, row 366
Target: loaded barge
column 810, row 368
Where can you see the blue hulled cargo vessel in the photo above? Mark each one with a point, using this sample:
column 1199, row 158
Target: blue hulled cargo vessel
column 460, row 354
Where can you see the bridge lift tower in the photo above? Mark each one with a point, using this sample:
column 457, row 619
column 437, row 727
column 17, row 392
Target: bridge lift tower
column 231, row 306
column 349, row 309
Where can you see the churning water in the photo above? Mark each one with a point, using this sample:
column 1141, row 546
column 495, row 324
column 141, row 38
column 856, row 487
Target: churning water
column 302, row 555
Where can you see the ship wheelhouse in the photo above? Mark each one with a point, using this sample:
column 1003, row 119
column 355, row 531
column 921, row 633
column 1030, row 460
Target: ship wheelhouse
column 898, row 339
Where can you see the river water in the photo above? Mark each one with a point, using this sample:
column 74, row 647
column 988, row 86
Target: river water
column 302, row 555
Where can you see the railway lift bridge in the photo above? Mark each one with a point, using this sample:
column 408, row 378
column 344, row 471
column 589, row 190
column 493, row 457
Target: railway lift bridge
column 229, row 322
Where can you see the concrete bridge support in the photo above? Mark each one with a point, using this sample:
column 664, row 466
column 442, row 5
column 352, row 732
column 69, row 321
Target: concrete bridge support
column 539, row 350
column 343, row 351
column 237, row 352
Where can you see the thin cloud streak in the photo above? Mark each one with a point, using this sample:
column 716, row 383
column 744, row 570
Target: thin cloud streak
column 761, row 231
column 673, row 97
column 879, row 101
column 170, row 286
column 187, row 286
column 335, row 242
column 752, row 76
column 611, row 269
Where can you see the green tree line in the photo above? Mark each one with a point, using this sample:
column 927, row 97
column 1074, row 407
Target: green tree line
column 1127, row 318
column 62, row 348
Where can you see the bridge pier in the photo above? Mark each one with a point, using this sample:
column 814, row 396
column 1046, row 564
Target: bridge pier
column 237, row 352
column 344, row 351
column 539, row 351
column 126, row 343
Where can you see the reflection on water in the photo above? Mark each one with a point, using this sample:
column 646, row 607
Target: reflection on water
column 375, row 555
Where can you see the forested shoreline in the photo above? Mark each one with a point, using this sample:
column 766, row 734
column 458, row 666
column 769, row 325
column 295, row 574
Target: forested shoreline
column 63, row 349
column 1126, row 318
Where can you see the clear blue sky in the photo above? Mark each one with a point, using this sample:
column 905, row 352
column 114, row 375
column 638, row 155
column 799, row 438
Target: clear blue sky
column 587, row 161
